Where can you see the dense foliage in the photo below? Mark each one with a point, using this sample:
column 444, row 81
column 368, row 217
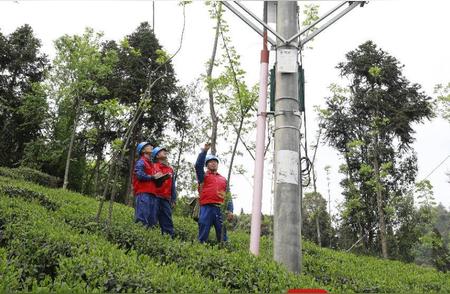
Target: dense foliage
column 371, row 124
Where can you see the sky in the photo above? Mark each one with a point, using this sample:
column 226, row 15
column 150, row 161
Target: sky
column 415, row 32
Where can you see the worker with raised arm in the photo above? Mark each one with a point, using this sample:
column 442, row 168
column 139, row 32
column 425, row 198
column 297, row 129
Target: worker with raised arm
column 212, row 190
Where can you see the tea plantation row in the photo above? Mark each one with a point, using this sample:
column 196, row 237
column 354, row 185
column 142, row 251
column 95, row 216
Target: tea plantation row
column 195, row 265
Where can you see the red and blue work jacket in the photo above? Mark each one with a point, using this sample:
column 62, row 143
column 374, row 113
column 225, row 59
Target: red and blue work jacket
column 142, row 176
column 212, row 186
column 166, row 189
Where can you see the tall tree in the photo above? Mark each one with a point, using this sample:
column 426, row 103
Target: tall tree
column 148, row 88
column 443, row 92
column 316, row 218
column 235, row 96
column 77, row 66
column 215, row 12
column 23, row 106
column 106, row 116
column 183, row 145
column 370, row 123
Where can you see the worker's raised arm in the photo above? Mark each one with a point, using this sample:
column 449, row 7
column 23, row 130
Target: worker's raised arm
column 200, row 164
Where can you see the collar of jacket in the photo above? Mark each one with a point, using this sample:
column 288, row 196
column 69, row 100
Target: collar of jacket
column 146, row 158
column 212, row 173
column 166, row 163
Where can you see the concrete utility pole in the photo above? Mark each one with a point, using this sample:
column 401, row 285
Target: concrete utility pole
column 287, row 213
column 288, row 190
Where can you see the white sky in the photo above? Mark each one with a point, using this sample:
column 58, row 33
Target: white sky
column 415, row 32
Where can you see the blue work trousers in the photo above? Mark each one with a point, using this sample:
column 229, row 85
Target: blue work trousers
column 151, row 210
column 210, row 215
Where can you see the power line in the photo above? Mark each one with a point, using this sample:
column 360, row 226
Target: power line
column 448, row 156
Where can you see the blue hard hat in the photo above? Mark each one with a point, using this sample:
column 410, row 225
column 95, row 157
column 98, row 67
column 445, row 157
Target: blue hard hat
column 141, row 146
column 211, row 157
column 156, row 151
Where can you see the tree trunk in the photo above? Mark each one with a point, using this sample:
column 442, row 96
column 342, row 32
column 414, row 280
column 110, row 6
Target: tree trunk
column 351, row 181
column 118, row 166
column 72, row 139
column 319, row 242
column 329, row 199
column 105, row 190
column 113, row 191
column 370, row 237
column 313, row 169
column 241, row 123
column 93, row 175
column 180, row 151
column 113, row 160
column 97, row 171
column 214, row 118
column 128, row 195
column 319, row 239
column 380, row 208
column 86, row 187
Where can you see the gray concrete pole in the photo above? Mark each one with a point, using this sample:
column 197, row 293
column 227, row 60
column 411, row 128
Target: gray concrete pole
column 287, row 212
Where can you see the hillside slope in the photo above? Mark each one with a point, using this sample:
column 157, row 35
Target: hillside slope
column 49, row 240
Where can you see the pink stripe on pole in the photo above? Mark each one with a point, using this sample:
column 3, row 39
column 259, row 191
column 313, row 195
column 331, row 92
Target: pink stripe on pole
column 259, row 160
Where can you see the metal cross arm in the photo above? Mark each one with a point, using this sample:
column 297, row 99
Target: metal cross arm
column 248, row 22
column 353, row 4
column 316, row 22
column 261, row 22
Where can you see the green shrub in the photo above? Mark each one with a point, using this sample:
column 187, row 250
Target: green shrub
column 345, row 271
column 27, row 194
column 9, row 275
column 26, row 235
column 9, row 173
column 217, row 264
column 53, row 256
column 32, row 175
column 234, row 268
column 39, row 177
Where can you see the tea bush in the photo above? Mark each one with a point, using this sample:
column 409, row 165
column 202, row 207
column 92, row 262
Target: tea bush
column 51, row 256
column 32, row 175
column 232, row 268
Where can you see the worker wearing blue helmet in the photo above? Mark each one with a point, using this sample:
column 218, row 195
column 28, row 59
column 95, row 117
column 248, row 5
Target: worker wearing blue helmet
column 144, row 186
column 212, row 189
column 165, row 192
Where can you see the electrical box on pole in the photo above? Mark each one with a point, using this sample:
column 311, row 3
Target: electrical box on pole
column 272, row 89
column 301, row 89
column 287, row 60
